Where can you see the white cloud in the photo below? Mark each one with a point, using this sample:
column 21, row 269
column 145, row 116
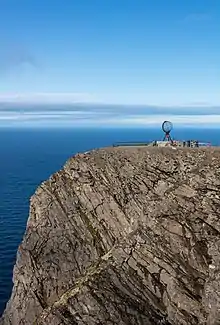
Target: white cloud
column 45, row 98
column 48, row 98
column 101, row 119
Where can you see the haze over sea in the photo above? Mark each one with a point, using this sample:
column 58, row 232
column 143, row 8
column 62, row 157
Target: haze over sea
column 33, row 147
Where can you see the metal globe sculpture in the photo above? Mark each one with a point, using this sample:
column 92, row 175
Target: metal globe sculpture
column 167, row 127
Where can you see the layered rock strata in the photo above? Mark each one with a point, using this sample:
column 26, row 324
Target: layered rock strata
column 123, row 236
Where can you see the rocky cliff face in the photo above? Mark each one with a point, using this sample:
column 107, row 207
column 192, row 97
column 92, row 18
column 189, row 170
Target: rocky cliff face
column 123, row 236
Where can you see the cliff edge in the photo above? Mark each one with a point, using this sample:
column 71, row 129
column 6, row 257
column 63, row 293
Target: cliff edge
column 123, row 236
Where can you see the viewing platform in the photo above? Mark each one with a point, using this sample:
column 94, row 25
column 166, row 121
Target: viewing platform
column 166, row 142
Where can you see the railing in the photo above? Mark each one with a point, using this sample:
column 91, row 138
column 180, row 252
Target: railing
column 204, row 144
column 178, row 143
column 130, row 144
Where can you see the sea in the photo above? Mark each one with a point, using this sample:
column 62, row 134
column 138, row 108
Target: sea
column 30, row 156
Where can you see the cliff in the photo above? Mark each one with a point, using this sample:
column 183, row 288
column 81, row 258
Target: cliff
column 123, row 236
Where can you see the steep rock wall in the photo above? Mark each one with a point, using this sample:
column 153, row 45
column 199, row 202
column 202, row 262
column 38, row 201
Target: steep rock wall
column 123, row 236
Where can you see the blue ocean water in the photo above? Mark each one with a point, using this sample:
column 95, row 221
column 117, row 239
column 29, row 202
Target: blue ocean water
column 28, row 157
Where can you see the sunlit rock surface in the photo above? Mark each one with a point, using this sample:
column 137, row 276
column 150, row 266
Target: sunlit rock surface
column 123, row 236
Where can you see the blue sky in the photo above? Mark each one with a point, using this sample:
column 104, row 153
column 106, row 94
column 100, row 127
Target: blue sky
column 161, row 52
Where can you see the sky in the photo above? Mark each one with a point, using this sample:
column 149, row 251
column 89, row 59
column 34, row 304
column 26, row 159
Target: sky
column 122, row 53
column 151, row 52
